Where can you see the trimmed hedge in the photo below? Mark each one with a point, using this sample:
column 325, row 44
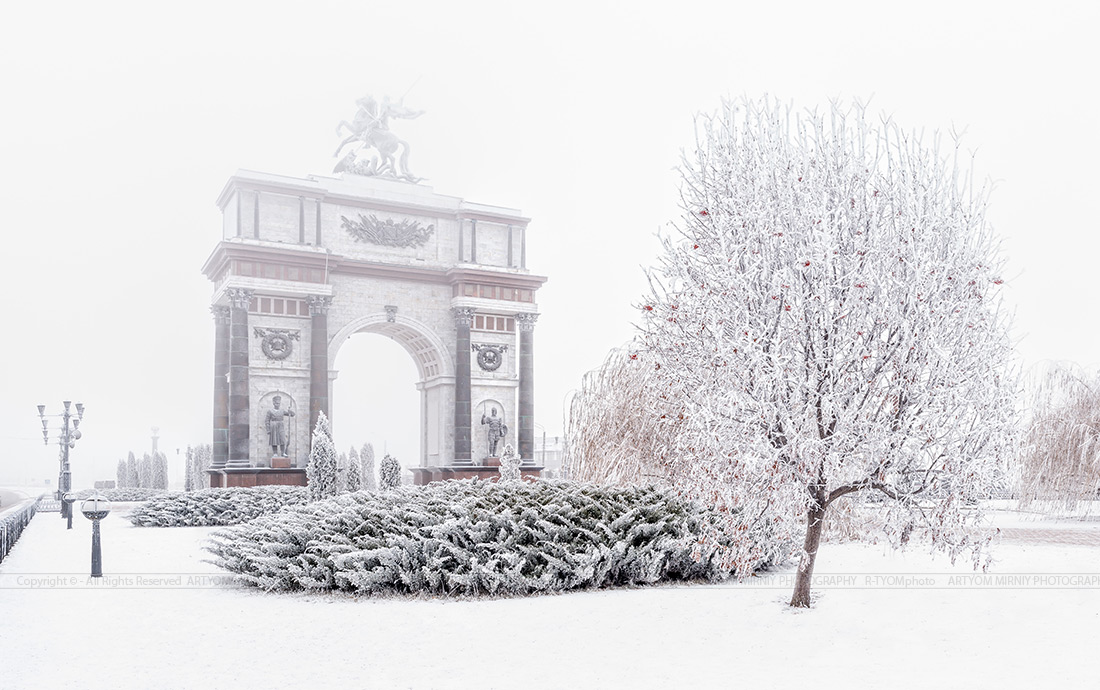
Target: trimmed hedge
column 123, row 495
column 473, row 537
column 215, row 507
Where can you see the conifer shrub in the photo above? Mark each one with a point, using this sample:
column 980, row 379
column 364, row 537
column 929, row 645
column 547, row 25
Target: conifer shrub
column 474, row 537
column 128, row 494
column 389, row 473
column 215, row 507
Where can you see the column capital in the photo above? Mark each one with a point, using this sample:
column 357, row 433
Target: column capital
column 526, row 321
column 318, row 304
column 221, row 314
column 239, row 298
column 464, row 316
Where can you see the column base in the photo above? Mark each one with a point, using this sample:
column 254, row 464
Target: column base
column 257, row 476
column 426, row 475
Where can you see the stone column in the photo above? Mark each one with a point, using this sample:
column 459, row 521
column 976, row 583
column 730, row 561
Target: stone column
column 318, row 359
column 463, row 405
column 526, row 435
column 239, row 414
column 221, row 387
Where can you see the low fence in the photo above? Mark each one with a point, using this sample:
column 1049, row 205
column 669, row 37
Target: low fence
column 12, row 523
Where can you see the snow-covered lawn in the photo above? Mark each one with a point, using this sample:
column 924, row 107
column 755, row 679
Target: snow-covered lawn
column 882, row 620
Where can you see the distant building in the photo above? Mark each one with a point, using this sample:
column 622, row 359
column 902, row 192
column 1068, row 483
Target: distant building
column 549, row 452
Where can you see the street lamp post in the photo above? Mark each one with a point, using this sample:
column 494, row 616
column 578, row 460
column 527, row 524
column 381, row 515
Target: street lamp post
column 95, row 509
column 67, row 501
column 67, row 437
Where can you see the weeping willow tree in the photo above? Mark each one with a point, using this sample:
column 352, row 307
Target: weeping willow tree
column 615, row 426
column 1059, row 462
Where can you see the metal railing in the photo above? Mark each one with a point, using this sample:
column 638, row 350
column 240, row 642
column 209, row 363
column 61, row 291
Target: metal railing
column 12, row 523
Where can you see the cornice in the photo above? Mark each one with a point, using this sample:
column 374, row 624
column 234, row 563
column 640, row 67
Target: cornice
column 468, row 273
column 269, row 288
column 321, row 189
column 300, row 255
column 494, row 307
column 308, row 256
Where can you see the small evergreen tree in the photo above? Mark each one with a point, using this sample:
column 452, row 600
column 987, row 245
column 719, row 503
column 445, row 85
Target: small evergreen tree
column 367, row 457
column 321, row 470
column 389, row 473
column 160, row 471
column 145, row 472
column 189, row 470
column 121, row 475
column 133, row 473
column 342, row 473
column 203, row 457
column 509, row 465
column 355, row 471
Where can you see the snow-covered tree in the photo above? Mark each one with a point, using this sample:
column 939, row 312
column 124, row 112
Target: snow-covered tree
column 1059, row 460
column 825, row 320
column 610, row 437
column 342, row 472
column 133, row 471
column 189, row 469
column 321, row 472
column 120, row 474
column 509, row 465
column 355, row 471
column 389, row 473
column 202, row 457
column 160, row 471
column 367, row 457
column 145, row 472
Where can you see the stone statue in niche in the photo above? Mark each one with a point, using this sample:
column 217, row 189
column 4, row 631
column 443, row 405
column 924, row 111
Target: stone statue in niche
column 497, row 430
column 278, row 427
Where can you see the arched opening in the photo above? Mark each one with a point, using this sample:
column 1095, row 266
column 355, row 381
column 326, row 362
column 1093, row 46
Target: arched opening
column 375, row 399
column 395, row 392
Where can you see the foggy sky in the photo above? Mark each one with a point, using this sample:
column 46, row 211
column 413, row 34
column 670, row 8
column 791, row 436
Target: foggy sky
column 122, row 122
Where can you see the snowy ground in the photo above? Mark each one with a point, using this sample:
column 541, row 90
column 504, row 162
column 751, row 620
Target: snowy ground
column 883, row 620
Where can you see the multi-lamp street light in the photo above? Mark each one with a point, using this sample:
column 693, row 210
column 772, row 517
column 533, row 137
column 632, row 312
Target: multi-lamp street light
column 67, row 437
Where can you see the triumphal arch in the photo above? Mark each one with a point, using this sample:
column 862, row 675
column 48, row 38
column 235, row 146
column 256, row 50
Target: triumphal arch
column 305, row 263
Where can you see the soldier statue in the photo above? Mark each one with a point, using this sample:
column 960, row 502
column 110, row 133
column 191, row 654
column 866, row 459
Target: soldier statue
column 497, row 430
column 276, row 425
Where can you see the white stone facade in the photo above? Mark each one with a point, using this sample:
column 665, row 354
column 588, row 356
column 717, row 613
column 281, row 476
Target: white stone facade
column 285, row 240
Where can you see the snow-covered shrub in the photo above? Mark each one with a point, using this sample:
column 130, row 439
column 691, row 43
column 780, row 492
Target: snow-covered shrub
column 509, row 465
column 389, row 473
column 474, row 537
column 123, row 495
column 216, row 507
column 321, row 474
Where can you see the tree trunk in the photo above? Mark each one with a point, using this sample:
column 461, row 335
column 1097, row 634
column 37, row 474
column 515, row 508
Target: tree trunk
column 815, row 521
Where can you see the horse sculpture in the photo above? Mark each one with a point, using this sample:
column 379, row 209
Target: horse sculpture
column 371, row 128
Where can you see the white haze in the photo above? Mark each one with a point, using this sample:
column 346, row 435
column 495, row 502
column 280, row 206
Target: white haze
column 122, row 121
